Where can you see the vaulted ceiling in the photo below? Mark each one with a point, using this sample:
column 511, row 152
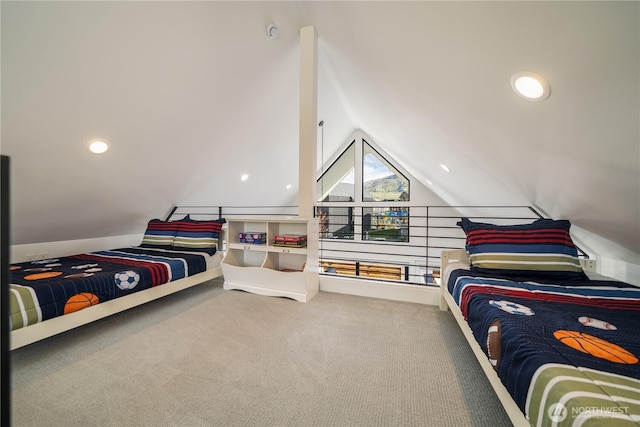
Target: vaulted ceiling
column 191, row 95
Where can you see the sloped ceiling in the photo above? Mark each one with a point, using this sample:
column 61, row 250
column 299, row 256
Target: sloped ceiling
column 193, row 94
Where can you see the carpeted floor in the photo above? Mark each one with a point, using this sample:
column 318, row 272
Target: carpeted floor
column 209, row 357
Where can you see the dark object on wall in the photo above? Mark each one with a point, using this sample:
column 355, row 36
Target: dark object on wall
column 5, row 418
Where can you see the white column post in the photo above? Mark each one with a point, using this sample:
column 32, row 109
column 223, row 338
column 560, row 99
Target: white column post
column 308, row 132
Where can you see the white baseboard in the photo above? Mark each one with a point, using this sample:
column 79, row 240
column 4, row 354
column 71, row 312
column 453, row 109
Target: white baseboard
column 392, row 291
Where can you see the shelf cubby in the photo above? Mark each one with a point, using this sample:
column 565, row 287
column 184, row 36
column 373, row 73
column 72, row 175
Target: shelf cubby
column 268, row 269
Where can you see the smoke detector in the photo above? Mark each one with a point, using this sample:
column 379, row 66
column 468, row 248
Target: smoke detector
column 272, row 31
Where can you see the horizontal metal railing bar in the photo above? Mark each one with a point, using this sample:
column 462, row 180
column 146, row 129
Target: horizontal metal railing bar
column 359, row 251
column 368, row 261
column 430, row 262
column 376, row 258
column 416, row 217
column 332, row 242
column 389, row 255
column 256, row 215
column 410, row 235
column 390, row 242
column 482, row 217
column 236, row 207
column 404, row 256
column 412, row 216
column 412, row 204
column 224, row 211
column 403, row 204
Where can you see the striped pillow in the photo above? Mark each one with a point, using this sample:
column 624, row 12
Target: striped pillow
column 199, row 236
column 540, row 250
column 159, row 234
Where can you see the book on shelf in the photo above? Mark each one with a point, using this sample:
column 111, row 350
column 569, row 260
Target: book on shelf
column 290, row 244
column 290, row 238
column 254, row 237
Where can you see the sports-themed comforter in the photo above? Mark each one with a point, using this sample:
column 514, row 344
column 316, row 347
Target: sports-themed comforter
column 44, row 289
column 568, row 355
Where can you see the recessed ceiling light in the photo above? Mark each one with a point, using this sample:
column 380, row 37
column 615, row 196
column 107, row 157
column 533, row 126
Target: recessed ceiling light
column 288, row 186
column 98, row 146
column 244, row 177
column 530, row 86
column 445, row 167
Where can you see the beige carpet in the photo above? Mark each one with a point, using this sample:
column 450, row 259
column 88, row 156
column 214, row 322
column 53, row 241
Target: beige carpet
column 209, row 357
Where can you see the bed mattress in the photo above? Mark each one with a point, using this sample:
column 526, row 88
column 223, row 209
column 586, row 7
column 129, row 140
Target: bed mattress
column 568, row 355
column 44, row 289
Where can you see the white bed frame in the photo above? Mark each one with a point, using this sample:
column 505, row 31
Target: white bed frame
column 461, row 257
column 38, row 331
column 48, row 328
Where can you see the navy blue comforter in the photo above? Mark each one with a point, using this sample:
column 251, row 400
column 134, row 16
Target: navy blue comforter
column 524, row 325
column 41, row 290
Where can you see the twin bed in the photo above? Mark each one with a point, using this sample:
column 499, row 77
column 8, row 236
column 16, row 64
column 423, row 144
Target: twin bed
column 558, row 348
column 51, row 296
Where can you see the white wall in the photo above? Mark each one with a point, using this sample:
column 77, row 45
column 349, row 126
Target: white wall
column 46, row 250
column 612, row 260
column 624, row 271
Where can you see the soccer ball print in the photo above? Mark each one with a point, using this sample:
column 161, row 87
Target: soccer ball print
column 126, row 280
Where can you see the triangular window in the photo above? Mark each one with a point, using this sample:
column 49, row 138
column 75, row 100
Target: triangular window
column 337, row 183
column 381, row 181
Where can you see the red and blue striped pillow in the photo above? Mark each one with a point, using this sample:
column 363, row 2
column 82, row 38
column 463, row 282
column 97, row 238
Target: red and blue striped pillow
column 184, row 234
column 540, row 250
column 200, row 236
column 159, row 234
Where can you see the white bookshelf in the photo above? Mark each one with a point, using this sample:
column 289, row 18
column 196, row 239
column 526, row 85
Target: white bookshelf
column 266, row 269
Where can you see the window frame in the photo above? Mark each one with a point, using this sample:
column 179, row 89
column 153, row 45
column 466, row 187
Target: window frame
column 354, row 229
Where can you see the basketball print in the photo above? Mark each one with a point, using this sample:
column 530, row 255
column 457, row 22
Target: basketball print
column 595, row 323
column 494, row 346
column 127, row 279
column 595, row 346
column 512, row 307
column 45, row 275
column 80, row 301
